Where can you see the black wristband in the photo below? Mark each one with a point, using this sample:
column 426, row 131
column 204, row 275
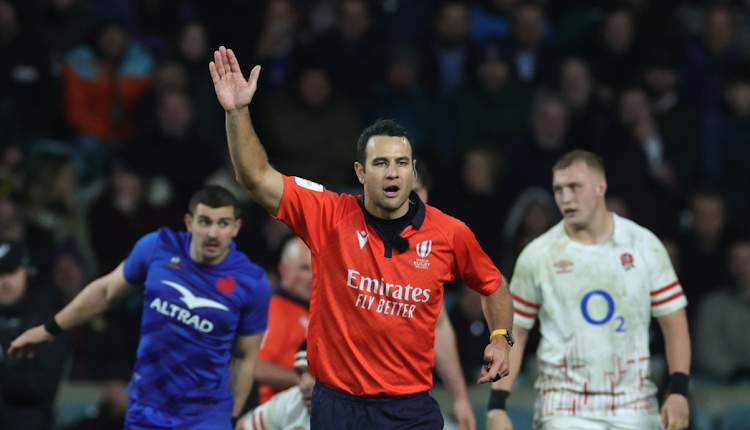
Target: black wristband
column 53, row 327
column 678, row 383
column 498, row 398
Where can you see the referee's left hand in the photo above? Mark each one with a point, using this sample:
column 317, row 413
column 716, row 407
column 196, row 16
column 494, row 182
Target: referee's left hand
column 498, row 362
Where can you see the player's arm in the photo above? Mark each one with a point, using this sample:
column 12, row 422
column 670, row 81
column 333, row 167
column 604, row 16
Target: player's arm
column 242, row 369
column 270, row 373
column 498, row 310
column 497, row 417
column 674, row 326
column 94, row 299
column 448, row 366
column 250, row 161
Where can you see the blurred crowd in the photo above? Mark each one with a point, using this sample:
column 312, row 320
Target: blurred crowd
column 109, row 122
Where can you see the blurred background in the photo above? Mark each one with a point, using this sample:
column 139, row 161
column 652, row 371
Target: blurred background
column 109, row 122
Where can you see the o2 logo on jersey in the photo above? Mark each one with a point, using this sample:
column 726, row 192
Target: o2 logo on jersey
column 610, row 310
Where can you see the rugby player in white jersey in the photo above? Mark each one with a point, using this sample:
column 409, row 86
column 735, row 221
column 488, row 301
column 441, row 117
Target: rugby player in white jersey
column 594, row 281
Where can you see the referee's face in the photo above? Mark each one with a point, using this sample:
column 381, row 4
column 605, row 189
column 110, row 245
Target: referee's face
column 387, row 176
column 212, row 231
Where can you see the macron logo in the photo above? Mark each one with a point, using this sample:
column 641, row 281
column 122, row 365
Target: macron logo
column 362, row 238
column 193, row 302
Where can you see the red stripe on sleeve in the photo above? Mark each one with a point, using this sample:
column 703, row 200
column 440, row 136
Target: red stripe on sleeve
column 255, row 426
column 524, row 314
column 668, row 299
column 661, row 290
column 524, row 302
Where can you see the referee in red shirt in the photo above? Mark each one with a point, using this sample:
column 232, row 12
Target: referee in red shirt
column 379, row 265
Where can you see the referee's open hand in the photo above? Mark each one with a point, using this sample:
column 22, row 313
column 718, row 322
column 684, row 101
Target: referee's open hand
column 498, row 363
column 232, row 90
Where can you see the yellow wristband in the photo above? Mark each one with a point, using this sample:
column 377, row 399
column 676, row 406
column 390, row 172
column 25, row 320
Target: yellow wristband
column 500, row 331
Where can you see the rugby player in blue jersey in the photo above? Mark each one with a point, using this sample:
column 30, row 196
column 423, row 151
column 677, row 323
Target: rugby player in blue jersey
column 204, row 314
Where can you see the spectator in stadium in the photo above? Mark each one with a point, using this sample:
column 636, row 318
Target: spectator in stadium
column 27, row 387
column 204, row 313
column 614, row 51
column 726, row 130
column 678, row 123
column 531, row 214
column 587, row 103
column 387, row 388
column 103, row 81
column 450, row 57
column 309, row 129
column 288, row 316
column 641, row 171
column 533, row 58
column 353, row 51
column 175, row 134
column 722, row 319
column 24, row 80
column 53, row 204
column 492, row 108
column 707, row 59
column 704, row 245
column 532, row 153
column 481, row 197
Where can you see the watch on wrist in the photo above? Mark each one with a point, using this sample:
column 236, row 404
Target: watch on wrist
column 507, row 334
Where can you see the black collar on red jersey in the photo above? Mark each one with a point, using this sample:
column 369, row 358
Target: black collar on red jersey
column 390, row 230
column 416, row 220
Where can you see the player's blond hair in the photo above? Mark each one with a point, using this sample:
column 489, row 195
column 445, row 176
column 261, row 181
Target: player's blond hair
column 593, row 161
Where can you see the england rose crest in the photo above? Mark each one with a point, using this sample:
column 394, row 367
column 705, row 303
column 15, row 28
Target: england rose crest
column 627, row 261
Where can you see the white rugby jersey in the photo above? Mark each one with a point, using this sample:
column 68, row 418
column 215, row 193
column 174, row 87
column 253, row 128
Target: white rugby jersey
column 595, row 304
column 285, row 411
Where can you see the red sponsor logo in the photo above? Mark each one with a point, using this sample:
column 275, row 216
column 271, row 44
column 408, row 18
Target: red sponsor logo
column 225, row 285
column 563, row 266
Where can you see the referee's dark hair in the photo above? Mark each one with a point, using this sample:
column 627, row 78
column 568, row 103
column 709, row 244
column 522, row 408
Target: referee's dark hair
column 381, row 127
column 214, row 196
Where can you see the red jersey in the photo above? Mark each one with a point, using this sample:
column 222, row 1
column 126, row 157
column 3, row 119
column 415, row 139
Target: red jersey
column 372, row 317
column 287, row 328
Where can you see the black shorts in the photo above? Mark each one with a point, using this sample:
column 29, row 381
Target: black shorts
column 336, row 410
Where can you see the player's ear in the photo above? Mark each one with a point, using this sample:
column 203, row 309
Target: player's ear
column 359, row 170
column 237, row 226
column 602, row 187
column 414, row 169
column 188, row 222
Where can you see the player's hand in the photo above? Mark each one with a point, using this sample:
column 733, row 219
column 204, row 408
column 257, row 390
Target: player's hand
column 497, row 419
column 675, row 412
column 496, row 356
column 232, row 90
column 26, row 345
column 464, row 413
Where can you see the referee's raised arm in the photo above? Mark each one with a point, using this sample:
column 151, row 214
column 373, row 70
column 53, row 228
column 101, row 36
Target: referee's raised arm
column 250, row 161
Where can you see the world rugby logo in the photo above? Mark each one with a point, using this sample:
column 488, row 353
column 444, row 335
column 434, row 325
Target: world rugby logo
column 424, row 248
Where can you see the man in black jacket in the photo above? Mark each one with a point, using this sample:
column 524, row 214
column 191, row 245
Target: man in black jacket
column 27, row 387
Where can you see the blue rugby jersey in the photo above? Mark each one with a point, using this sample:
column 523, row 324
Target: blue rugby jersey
column 191, row 315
